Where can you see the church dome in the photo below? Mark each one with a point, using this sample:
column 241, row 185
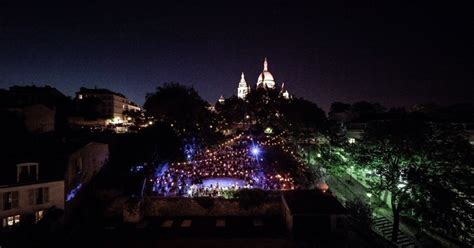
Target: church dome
column 266, row 78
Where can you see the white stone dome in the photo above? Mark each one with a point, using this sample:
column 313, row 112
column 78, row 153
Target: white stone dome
column 266, row 78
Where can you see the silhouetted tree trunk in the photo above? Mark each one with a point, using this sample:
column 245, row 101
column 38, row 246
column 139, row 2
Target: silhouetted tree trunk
column 396, row 221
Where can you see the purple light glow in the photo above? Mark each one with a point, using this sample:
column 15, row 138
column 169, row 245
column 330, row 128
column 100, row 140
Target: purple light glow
column 255, row 151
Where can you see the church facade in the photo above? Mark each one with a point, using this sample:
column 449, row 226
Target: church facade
column 265, row 80
column 243, row 88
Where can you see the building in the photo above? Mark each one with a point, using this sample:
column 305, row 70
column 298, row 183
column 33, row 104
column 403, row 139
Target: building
column 20, row 96
column 111, row 105
column 265, row 79
column 243, row 88
column 310, row 213
column 33, row 181
column 221, row 100
column 41, row 109
column 284, row 92
column 83, row 164
column 36, row 118
column 355, row 131
column 26, row 197
column 102, row 108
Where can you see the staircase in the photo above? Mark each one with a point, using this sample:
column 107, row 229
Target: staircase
column 383, row 226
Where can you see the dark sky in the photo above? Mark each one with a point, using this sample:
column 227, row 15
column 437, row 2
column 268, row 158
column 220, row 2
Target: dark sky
column 393, row 53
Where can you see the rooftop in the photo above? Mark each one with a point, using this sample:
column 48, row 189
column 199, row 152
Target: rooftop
column 312, row 202
column 84, row 90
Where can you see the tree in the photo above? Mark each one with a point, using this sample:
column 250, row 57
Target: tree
column 233, row 110
column 303, row 114
column 264, row 106
column 138, row 118
column 364, row 108
column 390, row 149
column 181, row 107
column 339, row 107
column 444, row 185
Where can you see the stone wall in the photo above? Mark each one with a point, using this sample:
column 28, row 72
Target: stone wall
column 177, row 206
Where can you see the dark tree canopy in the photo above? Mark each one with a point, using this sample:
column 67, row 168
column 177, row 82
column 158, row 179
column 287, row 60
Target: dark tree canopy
column 269, row 109
column 233, row 110
column 367, row 108
column 390, row 149
column 425, row 168
column 301, row 113
column 444, row 185
column 181, row 108
column 175, row 102
column 339, row 107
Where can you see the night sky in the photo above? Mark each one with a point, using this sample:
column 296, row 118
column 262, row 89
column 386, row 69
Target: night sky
column 392, row 53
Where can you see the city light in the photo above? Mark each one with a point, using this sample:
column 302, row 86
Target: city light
column 255, row 151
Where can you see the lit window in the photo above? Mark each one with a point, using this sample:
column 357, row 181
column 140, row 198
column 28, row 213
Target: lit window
column 79, row 96
column 352, row 140
column 11, row 220
column 39, row 215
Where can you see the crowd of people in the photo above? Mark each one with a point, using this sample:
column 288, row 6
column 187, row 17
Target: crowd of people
column 232, row 160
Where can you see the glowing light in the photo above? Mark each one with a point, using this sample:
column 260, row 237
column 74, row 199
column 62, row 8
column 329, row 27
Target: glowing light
column 255, row 151
column 115, row 120
column 73, row 192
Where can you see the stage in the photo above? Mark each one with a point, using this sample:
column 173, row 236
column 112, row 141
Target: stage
column 223, row 182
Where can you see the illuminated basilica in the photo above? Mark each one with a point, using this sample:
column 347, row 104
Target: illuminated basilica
column 265, row 80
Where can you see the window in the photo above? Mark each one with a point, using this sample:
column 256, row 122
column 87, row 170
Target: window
column 27, row 172
column 39, row 215
column 78, row 165
column 11, row 221
column 351, row 140
column 10, row 200
column 38, row 196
